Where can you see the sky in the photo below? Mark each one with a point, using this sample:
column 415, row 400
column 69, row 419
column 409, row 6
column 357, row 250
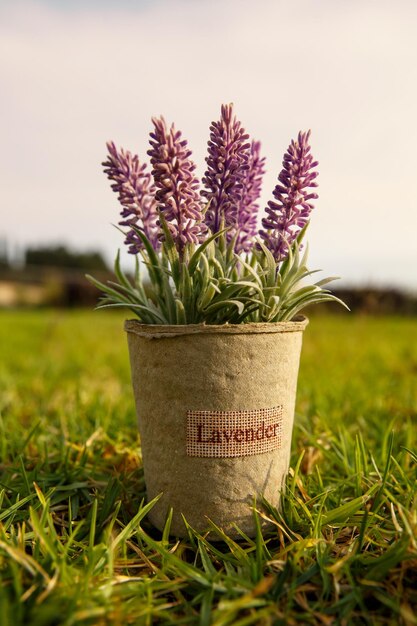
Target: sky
column 76, row 74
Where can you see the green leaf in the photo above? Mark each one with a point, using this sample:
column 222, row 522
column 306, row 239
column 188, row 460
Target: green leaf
column 207, row 296
column 219, row 305
column 181, row 317
column 197, row 254
column 119, row 272
column 132, row 526
column 158, row 317
column 171, row 251
column 342, row 513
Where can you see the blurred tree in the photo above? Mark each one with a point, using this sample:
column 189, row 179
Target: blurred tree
column 61, row 256
column 4, row 256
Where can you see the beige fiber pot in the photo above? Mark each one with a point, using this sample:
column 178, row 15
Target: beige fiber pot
column 215, row 407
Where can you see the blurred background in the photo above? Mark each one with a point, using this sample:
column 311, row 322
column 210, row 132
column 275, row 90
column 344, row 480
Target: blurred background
column 76, row 73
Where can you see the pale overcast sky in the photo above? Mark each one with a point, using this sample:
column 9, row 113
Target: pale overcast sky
column 75, row 74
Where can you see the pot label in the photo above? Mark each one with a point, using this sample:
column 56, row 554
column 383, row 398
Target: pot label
column 225, row 434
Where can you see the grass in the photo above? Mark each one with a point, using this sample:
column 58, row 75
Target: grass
column 75, row 545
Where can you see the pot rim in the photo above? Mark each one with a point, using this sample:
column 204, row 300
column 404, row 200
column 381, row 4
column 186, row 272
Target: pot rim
column 154, row 331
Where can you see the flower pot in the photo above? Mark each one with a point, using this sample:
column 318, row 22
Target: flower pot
column 215, row 407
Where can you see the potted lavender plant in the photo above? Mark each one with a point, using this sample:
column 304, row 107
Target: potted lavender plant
column 216, row 341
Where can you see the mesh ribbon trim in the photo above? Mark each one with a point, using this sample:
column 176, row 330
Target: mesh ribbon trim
column 223, row 434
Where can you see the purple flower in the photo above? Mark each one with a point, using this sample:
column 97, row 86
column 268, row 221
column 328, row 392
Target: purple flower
column 136, row 195
column 227, row 166
column 248, row 208
column 290, row 213
column 177, row 186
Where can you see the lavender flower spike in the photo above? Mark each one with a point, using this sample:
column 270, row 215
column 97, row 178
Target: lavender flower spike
column 136, row 195
column 248, row 209
column 291, row 211
column 177, row 186
column 227, row 164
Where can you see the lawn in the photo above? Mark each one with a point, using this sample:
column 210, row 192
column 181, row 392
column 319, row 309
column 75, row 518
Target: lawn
column 75, row 545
